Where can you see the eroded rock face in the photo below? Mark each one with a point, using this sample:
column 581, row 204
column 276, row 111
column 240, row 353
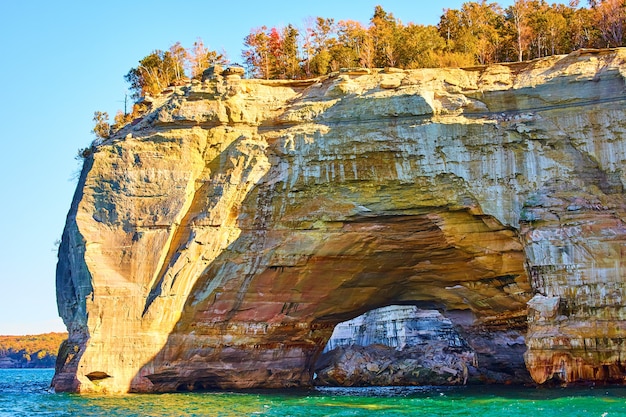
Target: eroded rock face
column 218, row 240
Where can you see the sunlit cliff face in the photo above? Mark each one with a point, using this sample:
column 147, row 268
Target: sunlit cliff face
column 218, row 240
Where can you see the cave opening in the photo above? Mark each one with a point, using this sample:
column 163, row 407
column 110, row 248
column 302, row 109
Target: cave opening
column 435, row 299
column 413, row 344
column 395, row 345
column 461, row 275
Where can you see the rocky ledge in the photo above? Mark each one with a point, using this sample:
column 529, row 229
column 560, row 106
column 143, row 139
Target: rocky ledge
column 217, row 241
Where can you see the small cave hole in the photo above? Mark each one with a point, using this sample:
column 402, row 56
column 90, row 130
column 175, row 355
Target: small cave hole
column 97, row 376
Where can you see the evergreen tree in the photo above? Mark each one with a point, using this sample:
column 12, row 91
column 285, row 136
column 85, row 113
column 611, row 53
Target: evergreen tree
column 290, row 56
column 384, row 31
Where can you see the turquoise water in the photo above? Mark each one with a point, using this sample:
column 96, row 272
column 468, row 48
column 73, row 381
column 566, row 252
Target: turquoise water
column 26, row 393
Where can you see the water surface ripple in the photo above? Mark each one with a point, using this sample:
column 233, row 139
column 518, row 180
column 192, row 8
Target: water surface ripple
column 25, row 392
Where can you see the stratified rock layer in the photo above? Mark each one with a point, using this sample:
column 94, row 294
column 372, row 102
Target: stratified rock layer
column 218, row 240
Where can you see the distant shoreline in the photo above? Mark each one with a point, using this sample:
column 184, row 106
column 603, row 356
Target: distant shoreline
column 30, row 351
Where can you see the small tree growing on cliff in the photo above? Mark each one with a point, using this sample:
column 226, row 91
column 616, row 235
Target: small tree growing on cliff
column 200, row 58
column 102, row 128
column 156, row 71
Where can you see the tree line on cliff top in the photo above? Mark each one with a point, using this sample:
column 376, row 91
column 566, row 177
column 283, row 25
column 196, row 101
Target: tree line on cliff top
column 476, row 34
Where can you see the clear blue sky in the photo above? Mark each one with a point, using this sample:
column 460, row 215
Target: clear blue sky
column 61, row 61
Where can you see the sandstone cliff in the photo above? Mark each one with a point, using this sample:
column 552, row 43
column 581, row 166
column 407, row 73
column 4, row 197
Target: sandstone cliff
column 217, row 241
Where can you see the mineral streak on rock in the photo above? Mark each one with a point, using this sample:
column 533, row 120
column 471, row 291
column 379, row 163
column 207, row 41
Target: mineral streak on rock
column 217, row 241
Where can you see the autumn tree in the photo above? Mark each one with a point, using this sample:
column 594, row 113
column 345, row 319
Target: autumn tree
column 582, row 31
column 459, row 49
column 538, row 26
column 556, row 28
column 367, row 52
column 349, row 48
column 481, row 25
column 539, row 29
column 322, row 41
column 384, row 32
column 272, row 53
column 450, row 27
column 610, row 18
column 257, row 53
column 178, row 56
column 121, row 119
column 420, row 46
column 517, row 18
column 154, row 72
column 160, row 69
column 199, row 58
column 276, row 70
column 307, row 49
column 480, row 32
column 102, row 128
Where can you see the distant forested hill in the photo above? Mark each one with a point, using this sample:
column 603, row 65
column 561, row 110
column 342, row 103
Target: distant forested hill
column 30, row 351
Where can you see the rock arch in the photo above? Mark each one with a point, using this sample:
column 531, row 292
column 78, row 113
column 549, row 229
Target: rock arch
column 216, row 241
column 311, row 279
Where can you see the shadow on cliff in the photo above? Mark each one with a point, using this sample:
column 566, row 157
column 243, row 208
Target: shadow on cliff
column 73, row 288
column 257, row 317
